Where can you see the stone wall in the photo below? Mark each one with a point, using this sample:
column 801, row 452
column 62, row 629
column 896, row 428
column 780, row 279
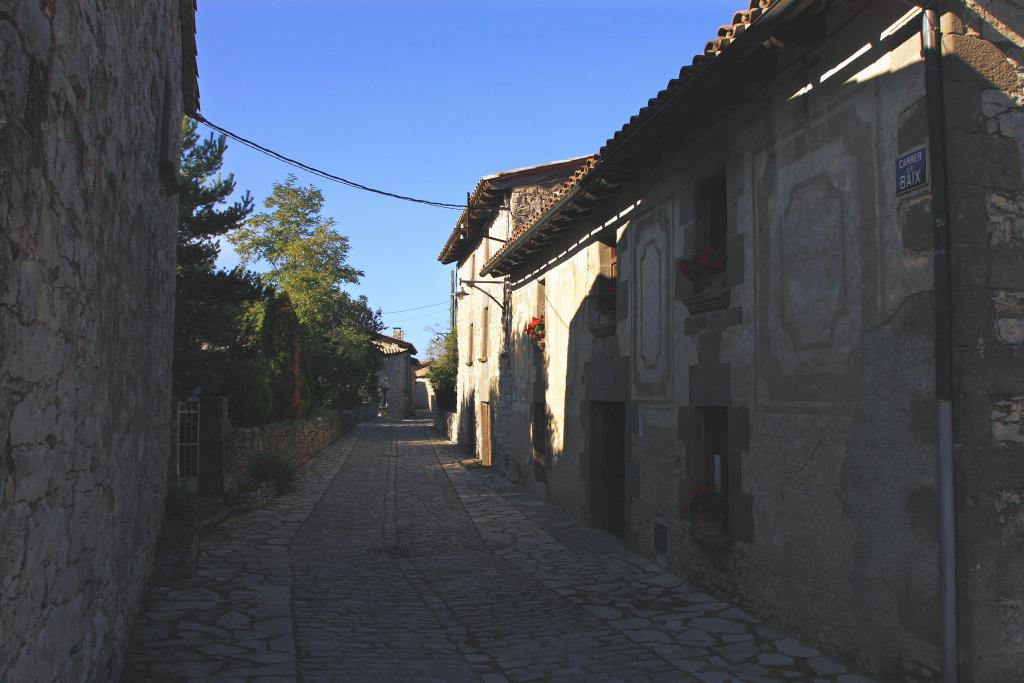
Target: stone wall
column 91, row 96
column 396, row 374
column 445, row 425
column 295, row 440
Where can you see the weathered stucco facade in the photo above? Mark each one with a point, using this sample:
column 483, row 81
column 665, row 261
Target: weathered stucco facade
column 800, row 379
column 500, row 204
column 90, row 112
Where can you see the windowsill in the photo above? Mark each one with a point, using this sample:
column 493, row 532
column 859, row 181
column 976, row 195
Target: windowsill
column 482, row 360
column 713, row 541
column 710, row 530
column 709, row 300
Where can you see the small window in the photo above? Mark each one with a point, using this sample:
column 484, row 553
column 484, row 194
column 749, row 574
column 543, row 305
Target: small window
column 485, row 330
column 608, row 278
column 469, row 344
column 707, row 265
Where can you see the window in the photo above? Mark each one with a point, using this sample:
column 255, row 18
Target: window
column 606, row 286
column 712, row 495
column 711, row 238
column 485, row 330
column 469, row 344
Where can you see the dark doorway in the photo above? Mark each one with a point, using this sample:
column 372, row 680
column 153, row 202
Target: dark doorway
column 608, row 466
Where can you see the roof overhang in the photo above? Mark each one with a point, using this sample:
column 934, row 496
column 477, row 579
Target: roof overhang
column 743, row 53
column 189, row 57
column 486, row 199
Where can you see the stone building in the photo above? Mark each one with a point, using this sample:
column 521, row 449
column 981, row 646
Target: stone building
column 90, row 116
column 397, row 387
column 500, row 205
column 425, row 398
column 737, row 373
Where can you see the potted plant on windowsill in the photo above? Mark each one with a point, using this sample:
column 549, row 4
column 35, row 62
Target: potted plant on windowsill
column 536, row 332
column 707, row 273
column 709, row 511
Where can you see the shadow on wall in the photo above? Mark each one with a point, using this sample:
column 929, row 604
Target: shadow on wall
column 844, row 534
column 467, row 422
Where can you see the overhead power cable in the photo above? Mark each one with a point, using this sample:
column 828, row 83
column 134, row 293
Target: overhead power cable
column 318, row 172
column 440, row 303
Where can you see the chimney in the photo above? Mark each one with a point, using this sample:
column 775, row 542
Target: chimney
column 398, row 333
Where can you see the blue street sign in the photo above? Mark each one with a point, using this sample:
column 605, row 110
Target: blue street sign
column 912, row 170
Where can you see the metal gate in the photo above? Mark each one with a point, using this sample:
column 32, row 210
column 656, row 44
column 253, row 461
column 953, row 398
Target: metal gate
column 188, row 440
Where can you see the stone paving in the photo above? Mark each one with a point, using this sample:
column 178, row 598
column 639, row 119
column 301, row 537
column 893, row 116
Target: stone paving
column 392, row 562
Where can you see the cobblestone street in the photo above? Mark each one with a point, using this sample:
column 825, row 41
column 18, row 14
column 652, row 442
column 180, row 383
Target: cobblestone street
column 391, row 561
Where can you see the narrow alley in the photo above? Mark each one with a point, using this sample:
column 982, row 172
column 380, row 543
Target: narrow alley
column 389, row 560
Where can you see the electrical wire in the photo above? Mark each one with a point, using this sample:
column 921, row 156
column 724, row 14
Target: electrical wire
column 323, row 174
column 440, row 303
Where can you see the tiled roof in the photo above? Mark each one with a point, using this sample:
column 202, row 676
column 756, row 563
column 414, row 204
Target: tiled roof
column 389, row 346
column 741, row 21
column 486, row 198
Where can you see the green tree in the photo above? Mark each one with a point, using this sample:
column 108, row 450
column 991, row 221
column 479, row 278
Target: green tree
column 443, row 373
column 282, row 338
column 308, row 259
column 306, row 256
column 202, row 193
column 214, row 348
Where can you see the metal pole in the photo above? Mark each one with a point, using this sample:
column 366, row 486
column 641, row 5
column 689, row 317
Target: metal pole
column 931, row 42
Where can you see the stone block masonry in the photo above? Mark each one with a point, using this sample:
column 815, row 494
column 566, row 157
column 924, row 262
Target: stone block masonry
column 90, row 106
column 295, row 440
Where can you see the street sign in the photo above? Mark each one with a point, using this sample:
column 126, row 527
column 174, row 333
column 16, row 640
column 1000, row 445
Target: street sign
column 912, row 170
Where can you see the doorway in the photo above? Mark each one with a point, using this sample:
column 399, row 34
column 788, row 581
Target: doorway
column 608, row 466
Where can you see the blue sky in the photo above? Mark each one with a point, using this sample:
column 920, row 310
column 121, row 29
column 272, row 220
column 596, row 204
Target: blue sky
column 423, row 98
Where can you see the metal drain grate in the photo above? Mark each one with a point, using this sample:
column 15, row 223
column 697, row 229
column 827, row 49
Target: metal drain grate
column 392, row 551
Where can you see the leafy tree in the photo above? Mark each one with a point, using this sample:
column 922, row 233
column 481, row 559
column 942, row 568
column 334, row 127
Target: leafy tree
column 282, row 337
column 307, row 257
column 443, row 373
column 342, row 358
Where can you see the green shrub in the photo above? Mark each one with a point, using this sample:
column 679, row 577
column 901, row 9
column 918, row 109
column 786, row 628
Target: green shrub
column 274, row 468
column 248, row 388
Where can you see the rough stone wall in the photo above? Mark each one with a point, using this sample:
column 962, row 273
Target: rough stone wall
column 87, row 237
column 397, row 375
column 984, row 74
column 295, row 440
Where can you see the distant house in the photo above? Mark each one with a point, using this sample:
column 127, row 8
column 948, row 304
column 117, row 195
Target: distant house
column 501, row 206
column 424, row 394
column 395, row 388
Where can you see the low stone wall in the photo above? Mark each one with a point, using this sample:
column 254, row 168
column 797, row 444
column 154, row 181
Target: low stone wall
column 444, row 423
column 295, row 440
